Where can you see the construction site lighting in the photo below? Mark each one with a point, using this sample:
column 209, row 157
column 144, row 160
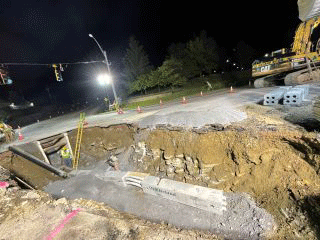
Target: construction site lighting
column 107, row 63
column 104, row 79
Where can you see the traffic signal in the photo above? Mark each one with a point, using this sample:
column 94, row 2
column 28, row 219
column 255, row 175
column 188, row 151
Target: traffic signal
column 57, row 72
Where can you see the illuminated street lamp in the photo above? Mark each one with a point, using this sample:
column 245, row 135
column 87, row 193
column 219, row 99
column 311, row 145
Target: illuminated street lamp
column 105, row 79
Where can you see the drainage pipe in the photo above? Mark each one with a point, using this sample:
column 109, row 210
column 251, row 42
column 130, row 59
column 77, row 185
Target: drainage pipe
column 37, row 161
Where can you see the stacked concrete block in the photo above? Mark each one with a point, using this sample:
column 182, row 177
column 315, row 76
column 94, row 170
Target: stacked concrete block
column 294, row 96
column 316, row 109
column 290, row 95
column 286, row 88
column 305, row 88
column 274, row 97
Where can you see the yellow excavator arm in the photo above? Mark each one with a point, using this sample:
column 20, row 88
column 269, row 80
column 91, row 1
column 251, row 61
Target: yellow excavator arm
column 303, row 34
column 309, row 14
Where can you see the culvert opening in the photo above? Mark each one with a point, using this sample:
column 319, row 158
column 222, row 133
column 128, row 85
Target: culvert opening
column 267, row 165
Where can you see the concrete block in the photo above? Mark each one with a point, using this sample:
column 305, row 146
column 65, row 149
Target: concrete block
column 270, row 102
column 305, row 88
column 275, row 96
column 294, row 96
column 208, row 199
column 286, row 88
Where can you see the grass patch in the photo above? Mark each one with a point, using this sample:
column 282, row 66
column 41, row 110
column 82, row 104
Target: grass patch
column 190, row 89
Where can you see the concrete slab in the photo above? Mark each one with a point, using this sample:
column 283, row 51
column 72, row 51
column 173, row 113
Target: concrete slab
column 242, row 219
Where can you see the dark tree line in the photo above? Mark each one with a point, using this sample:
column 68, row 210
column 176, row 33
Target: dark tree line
column 200, row 56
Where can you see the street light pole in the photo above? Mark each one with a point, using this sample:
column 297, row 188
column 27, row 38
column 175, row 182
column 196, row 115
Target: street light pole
column 106, row 61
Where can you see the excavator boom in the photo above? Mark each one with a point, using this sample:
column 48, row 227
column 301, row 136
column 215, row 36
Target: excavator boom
column 279, row 69
column 308, row 9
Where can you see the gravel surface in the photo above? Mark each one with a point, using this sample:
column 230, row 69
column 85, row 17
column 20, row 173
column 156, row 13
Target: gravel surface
column 242, row 219
column 220, row 110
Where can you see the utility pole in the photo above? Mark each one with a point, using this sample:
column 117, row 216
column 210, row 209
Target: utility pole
column 106, row 62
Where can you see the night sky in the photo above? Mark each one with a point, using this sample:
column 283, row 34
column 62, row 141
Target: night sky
column 53, row 31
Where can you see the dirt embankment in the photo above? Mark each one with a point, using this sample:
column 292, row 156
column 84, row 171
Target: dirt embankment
column 278, row 166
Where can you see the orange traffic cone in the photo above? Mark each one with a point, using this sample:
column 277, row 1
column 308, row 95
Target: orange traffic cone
column 20, row 136
column 139, row 109
column 161, row 104
column 184, row 101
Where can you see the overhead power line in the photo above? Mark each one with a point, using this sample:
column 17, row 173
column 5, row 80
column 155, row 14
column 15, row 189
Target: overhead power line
column 49, row 64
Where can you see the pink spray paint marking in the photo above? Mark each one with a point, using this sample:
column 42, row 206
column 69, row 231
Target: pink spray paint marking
column 61, row 225
column 4, row 184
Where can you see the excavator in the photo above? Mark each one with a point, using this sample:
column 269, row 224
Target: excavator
column 299, row 64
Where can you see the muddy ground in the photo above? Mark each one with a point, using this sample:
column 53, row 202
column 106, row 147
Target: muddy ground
column 273, row 155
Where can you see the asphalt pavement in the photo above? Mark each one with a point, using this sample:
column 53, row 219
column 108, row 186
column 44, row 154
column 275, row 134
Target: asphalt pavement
column 220, row 107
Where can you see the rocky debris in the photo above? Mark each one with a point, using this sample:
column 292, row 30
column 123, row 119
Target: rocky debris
column 113, row 161
column 8, row 182
column 4, row 174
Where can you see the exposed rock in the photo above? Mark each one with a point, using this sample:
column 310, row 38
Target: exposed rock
column 31, row 195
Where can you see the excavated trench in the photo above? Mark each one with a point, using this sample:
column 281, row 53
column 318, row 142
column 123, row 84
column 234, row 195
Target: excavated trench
column 279, row 169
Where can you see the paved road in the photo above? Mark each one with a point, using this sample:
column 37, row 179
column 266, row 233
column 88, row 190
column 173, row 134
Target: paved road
column 218, row 107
